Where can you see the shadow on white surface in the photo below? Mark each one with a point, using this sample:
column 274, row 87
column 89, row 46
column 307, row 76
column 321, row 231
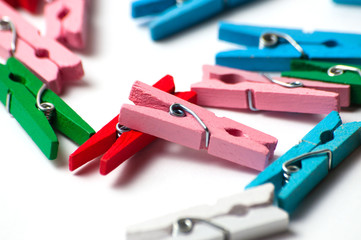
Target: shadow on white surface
column 164, row 150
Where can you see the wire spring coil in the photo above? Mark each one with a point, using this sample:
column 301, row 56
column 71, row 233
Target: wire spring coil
column 180, row 110
column 121, row 129
column 270, row 39
column 340, row 69
column 288, row 167
column 46, row 107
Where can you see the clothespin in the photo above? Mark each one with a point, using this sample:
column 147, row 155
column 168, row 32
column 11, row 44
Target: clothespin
column 353, row 2
column 272, row 49
column 176, row 120
column 176, row 15
column 247, row 215
column 329, row 72
column 232, row 88
column 30, row 5
column 117, row 149
column 66, row 22
column 298, row 171
column 39, row 110
column 52, row 62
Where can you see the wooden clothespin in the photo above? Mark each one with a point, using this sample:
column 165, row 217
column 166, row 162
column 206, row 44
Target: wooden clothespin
column 30, row 5
column 173, row 16
column 247, row 215
column 39, row 110
column 176, row 120
column 232, row 88
column 352, row 2
column 299, row 170
column 272, row 49
column 66, row 22
column 329, row 72
column 51, row 62
column 117, row 149
column 65, row 19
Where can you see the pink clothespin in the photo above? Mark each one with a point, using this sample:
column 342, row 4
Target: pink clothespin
column 66, row 22
column 48, row 59
column 232, row 88
column 166, row 116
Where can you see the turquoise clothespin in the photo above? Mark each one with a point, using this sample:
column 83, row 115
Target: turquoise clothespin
column 272, row 49
column 298, row 171
column 176, row 15
column 39, row 110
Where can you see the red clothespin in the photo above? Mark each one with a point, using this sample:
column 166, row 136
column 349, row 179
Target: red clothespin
column 30, row 5
column 119, row 149
column 233, row 88
column 66, row 22
column 52, row 62
column 171, row 118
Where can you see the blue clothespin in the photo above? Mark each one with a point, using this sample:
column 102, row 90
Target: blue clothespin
column 354, row 2
column 176, row 15
column 298, row 171
column 272, row 49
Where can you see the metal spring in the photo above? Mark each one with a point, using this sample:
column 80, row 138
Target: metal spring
column 46, row 107
column 8, row 101
column 340, row 69
column 7, row 25
column 295, row 84
column 121, row 129
column 250, row 101
column 270, row 39
column 288, row 167
column 179, row 110
column 186, row 225
column 180, row 2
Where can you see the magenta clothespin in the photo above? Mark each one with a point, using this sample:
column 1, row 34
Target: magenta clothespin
column 165, row 116
column 48, row 59
column 232, row 88
column 66, row 22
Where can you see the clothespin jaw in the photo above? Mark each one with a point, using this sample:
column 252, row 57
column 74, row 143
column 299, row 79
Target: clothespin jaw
column 352, row 2
column 19, row 92
column 66, row 22
column 51, row 61
column 117, row 149
column 329, row 72
column 171, row 118
column 247, row 215
column 30, row 5
column 272, row 49
column 294, row 175
column 232, row 88
column 177, row 15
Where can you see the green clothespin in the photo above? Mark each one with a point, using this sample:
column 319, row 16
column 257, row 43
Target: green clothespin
column 329, row 72
column 24, row 95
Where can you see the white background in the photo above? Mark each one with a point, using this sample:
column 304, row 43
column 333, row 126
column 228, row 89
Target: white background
column 40, row 199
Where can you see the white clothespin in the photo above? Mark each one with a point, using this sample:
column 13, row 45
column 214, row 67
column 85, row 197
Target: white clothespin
column 247, row 215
